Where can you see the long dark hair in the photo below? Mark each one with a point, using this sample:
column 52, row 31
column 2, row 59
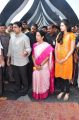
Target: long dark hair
column 60, row 36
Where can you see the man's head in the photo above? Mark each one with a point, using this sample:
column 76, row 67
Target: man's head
column 10, row 27
column 44, row 28
column 34, row 28
column 17, row 27
column 24, row 24
column 51, row 29
column 2, row 28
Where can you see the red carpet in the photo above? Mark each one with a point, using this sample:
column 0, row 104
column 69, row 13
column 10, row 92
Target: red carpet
column 16, row 110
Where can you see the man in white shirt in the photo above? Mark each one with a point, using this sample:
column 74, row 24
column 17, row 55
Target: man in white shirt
column 18, row 52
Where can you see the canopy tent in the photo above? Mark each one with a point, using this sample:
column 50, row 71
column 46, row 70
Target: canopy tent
column 42, row 12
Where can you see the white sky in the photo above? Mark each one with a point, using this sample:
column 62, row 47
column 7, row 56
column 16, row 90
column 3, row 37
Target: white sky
column 75, row 6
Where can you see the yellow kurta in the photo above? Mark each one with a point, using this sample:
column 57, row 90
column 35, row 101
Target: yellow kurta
column 65, row 69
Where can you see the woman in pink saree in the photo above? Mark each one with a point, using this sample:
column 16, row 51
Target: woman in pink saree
column 43, row 70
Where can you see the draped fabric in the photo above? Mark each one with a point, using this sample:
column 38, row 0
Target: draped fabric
column 43, row 79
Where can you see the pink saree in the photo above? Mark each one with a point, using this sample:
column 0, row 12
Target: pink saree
column 43, row 80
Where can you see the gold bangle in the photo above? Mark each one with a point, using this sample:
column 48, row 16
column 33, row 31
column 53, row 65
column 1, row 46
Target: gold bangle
column 34, row 68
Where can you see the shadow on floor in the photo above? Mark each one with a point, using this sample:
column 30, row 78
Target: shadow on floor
column 8, row 92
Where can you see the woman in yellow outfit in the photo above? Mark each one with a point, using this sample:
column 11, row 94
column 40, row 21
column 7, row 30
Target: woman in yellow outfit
column 65, row 44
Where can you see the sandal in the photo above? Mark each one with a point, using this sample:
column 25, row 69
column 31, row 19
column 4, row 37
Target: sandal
column 59, row 96
column 66, row 97
column 3, row 98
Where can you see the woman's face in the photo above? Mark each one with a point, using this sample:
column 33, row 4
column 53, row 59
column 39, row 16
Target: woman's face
column 63, row 27
column 38, row 37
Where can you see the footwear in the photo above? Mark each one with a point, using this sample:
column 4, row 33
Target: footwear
column 66, row 97
column 59, row 96
column 14, row 90
column 23, row 92
column 3, row 98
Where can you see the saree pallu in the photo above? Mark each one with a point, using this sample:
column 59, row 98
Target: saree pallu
column 43, row 79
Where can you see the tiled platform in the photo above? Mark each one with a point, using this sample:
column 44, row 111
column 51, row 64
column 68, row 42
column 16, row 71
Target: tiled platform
column 17, row 110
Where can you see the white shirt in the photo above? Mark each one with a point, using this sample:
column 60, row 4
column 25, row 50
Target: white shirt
column 18, row 44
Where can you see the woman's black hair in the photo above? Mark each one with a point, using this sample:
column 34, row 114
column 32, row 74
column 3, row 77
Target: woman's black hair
column 42, row 33
column 19, row 24
column 60, row 36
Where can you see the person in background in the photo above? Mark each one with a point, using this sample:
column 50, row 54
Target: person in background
column 4, row 39
column 76, row 63
column 25, row 27
column 10, row 31
column 51, row 35
column 9, row 28
column 32, row 34
column 65, row 44
column 51, row 39
column 32, row 37
column 44, row 28
column 43, row 70
column 2, row 63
